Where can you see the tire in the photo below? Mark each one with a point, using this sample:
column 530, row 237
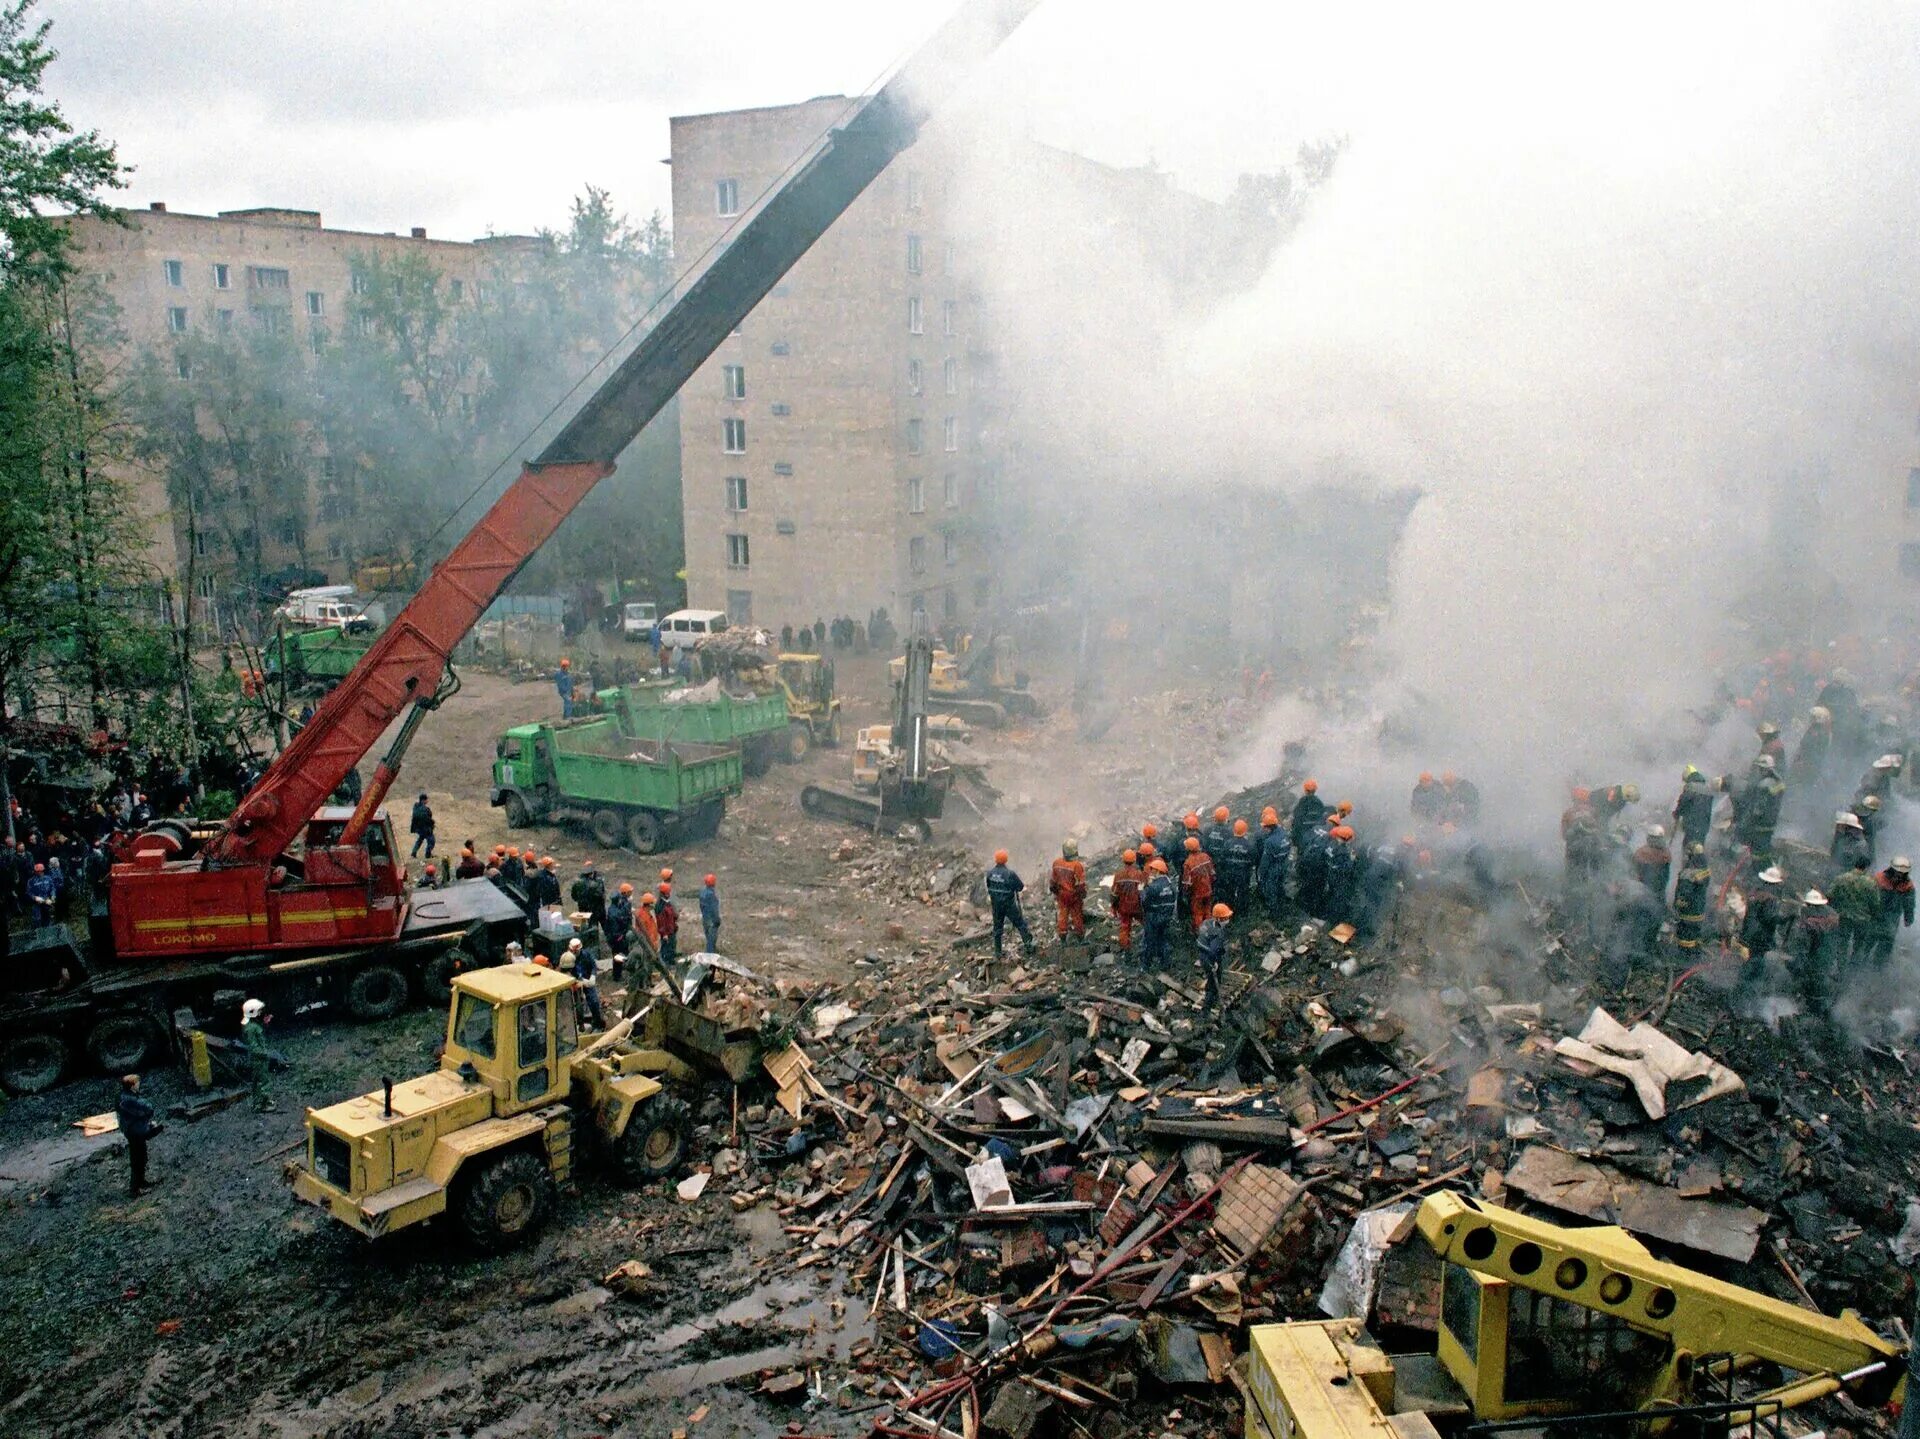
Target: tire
column 436, row 977
column 757, row 758
column 706, row 823
column 645, row 832
column 517, row 816
column 505, row 1203
column 607, row 829
column 799, row 741
column 377, row 992
column 655, row 1142
column 121, row 1043
column 32, row 1063
column 833, row 730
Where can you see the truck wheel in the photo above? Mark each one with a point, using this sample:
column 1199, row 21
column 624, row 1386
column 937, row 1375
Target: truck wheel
column 706, row 823
column 120, row 1043
column 833, row 730
column 645, row 833
column 607, row 828
column 436, row 977
column 798, row 743
column 377, row 992
column 32, row 1063
column 757, row 758
column 654, row 1143
column 517, row 816
column 505, row 1203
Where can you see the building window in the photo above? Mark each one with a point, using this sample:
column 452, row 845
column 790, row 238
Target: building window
column 949, row 312
column 272, row 320
column 358, row 284
column 781, row 409
column 737, row 552
column 779, row 347
column 289, row 531
column 726, row 197
column 914, row 442
column 740, row 607
column 950, row 433
column 316, row 303
column 458, row 288
column 916, row 496
column 950, row 374
column 917, row 555
column 950, row 490
column 734, row 436
column 913, row 254
column 913, row 377
column 1910, row 561
column 223, row 320
column 782, row 467
column 915, row 324
column 1913, row 488
column 950, row 547
column 222, row 277
column 267, row 278
column 202, row 544
column 317, row 342
column 203, row 587
column 736, row 494
column 913, row 189
column 365, row 326
column 177, row 319
column 950, row 605
column 182, row 366
column 733, row 379
column 176, row 274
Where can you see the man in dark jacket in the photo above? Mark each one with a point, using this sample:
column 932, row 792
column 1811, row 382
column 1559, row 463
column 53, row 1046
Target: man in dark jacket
column 1210, row 944
column 421, row 826
column 710, row 912
column 1234, row 867
column 1003, row 895
column 1308, row 811
column 1653, row 862
column 1812, row 948
column 137, row 1125
column 1895, row 892
column 543, row 890
column 1159, row 904
column 1690, row 901
column 1270, row 870
column 589, row 893
column 667, row 915
column 1693, row 810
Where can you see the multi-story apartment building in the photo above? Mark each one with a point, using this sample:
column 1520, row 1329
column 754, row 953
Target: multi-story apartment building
column 829, row 455
column 171, row 275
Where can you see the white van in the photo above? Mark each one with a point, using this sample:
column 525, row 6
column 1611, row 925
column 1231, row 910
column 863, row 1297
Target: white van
column 337, row 606
column 685, row 628
column 637, row 620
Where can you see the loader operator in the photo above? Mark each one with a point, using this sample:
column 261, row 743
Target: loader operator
column 1003, row 894
column 1067, row 882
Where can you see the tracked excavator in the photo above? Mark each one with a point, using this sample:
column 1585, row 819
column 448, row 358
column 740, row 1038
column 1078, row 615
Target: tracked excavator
column 1568, row 1333
column 913, row 776
column 286, row 882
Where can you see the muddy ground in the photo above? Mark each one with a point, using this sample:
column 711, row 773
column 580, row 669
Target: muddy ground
column 215, row 1305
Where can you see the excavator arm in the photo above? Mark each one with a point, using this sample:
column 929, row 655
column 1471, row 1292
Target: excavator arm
column 408, row 664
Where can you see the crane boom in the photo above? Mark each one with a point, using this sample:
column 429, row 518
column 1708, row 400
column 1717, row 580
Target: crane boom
column 406, row 666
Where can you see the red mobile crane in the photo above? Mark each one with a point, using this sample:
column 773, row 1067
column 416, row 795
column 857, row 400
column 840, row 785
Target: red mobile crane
column 244, row 891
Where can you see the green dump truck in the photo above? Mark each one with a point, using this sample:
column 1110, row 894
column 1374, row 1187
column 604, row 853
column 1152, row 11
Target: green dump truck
column 648, row 793
column 708, row 714
column 313, row 661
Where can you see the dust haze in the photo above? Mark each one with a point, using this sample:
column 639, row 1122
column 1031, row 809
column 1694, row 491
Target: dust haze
column 1628, row 298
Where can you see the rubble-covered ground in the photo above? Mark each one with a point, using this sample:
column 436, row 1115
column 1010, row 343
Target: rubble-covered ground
column 1165, row 1179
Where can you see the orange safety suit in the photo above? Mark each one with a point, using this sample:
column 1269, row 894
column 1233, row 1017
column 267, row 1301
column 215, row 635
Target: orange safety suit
column 1196, row 876
column 1068, row 882
column 1127, row 884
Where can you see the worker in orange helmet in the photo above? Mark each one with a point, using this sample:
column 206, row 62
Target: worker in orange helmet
column 1344, row 808
column 1004, row 887
column 563, row 686
column 668, row 917
column 544, row 891
column 710, row 912
column 1234, row 866
column 1147, row 854
column 1428, row 799
column 619, row 925
column 1067, row 882
column 1148, row 834
column 643, row 952
column 1272, row 851
column 1338, row 882
column 512, row 871
column 1159, row 905
column 470, row 866
column 1210, row 945
column 1196, row 878
column 1308, row 811
column 1128, row 881
column 1213, row 834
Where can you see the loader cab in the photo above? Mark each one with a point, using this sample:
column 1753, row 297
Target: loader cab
column 515, row 1025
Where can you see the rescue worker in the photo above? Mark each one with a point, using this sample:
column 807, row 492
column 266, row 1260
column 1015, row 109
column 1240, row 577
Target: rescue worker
column 1271, row 862
column 1311, row 869
column 1580, row 836
column 421, row 827
column 1067, row 883
column 1462, row 809
column 1690, row 901
column 589, row 893
column 1234, row 867
column 1308, row 811
column 1210, row 946
column 1766, row 914
column 137, row 1126
column 1003, row 894
column 1196, row 880
column 1128, row 882
column 1339, row 877
column 1214, row 837
column 668, row 918
column 253, row 1034
column 1608, row 802
column 1868, row 809
column 710, row 912
column 1693, row 810
column 586, row 979
column 1815, row 754
column 1855, row 898
column 512, row 869
column 1849, row 842
column 470, row 866
column 543, row 890
column 1159, row 905
column 563, row 686
column 1772, row 744
column 1148, row 834
column 43, row 894
column 619, row 926
column 1879, row 778
column 1428, row 799
column 1653, row 861
column 1812, row 948
column 1895, row 893
column 1190, row 829
column 643, row 954
column 1757, row 810
column 1379, row 890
